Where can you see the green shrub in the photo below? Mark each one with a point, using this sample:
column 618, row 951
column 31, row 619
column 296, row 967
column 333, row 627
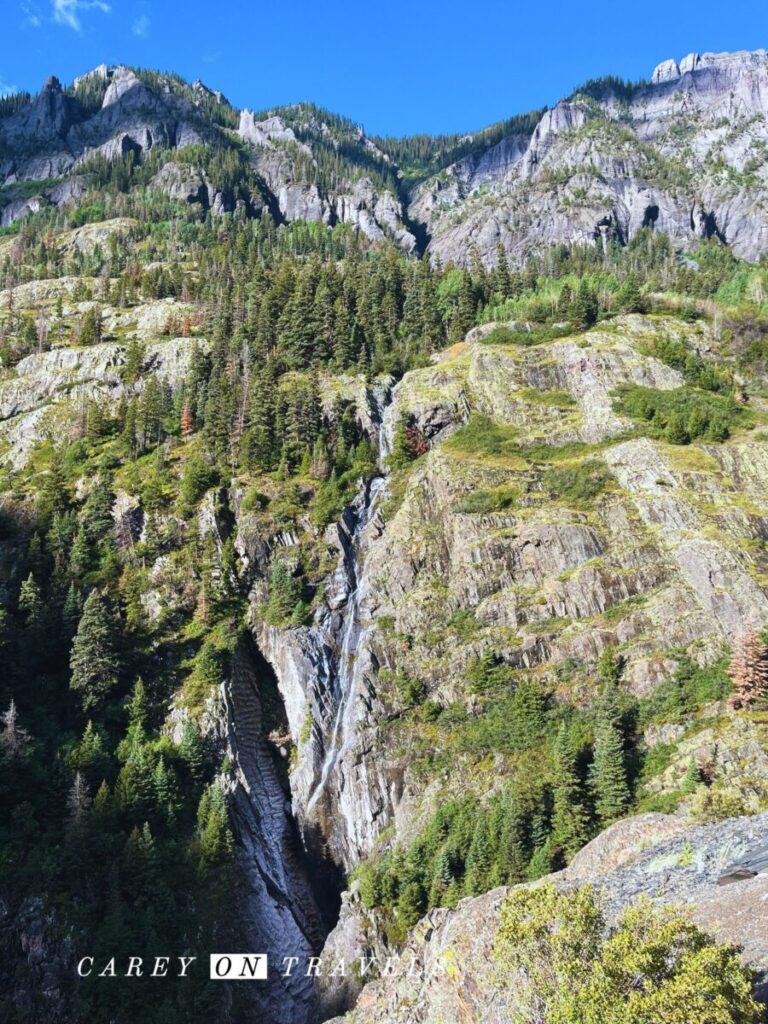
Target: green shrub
column 481, row 436
column 682, row 414
column 254, row 500
column 567, row 966
column 285, row 604
column 690, row 688
column 716, row 804
column 496, row 499
column 577, row 484
column 197, row 478
column 412, row 691
column 537, row 335
column 488, row 673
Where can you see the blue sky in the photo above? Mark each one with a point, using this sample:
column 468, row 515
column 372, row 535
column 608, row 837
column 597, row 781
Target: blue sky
column 398, row 68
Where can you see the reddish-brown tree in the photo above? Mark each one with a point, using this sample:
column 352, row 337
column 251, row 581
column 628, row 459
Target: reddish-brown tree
column 186, row 421
column 748, row 669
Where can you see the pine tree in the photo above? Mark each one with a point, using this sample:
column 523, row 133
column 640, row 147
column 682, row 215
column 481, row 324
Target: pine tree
column 54, row 497
column 215, row 835
column 94, row 662
column 192, row 751
column 135, row 785
column 570, row 820
column 96, row 517
column 32, row 607
column 585, row 309
column 166, row 790
column 748, row 669
column 526, row 719
column 692, row 777
column 89, row 757
column 134, row 360
column 608, row 773
column 479, row 858
column 466, row 310
column 676, row 431
column 90, row 328
column 500, row 277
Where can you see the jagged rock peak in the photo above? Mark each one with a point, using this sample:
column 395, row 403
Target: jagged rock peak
column 669, row 70
column 103, row 71
column 52, row 84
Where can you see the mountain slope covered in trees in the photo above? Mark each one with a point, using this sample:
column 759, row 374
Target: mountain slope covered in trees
column 341, row 581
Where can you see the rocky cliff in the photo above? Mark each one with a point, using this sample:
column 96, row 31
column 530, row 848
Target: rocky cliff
column 653, row 855
column 684, row 153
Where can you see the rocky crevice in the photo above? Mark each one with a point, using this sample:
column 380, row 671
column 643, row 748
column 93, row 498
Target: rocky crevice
column 276, row 904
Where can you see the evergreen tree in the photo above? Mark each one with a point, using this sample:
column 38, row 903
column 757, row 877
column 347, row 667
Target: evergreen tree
column 166, row 791
column 32, row 608
column 94, row 662
column 630, row 298
column 608, row 773
column 479, row 858
column 215, row 835
column 585, row 309
column 692, row 777
column 466, row 310
column 53, row 491
column 90, row 758
column 96, row 516
column 72, row 610
column 676, row 431
column 570, row 820
column 527, row 708
column 192, row 751
column 91, row 327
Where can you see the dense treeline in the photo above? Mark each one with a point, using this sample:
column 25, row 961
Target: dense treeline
column 420, row 156
column 574, row 772
column 98, row 804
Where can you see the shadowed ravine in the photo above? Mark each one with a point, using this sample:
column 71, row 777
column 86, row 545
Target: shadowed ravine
column 293, row 850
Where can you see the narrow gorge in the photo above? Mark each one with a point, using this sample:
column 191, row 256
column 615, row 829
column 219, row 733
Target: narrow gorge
column 383, row 547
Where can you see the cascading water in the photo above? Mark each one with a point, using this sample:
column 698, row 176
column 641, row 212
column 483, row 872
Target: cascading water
column 344, row 684
column 325, row 674
column 353, row 633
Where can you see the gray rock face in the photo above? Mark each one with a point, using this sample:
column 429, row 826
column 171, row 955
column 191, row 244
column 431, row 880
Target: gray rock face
column 653, row 855
column 36, row 964
column 49, row 137
column 683, row 155
column 37, row 401
column 343, row 792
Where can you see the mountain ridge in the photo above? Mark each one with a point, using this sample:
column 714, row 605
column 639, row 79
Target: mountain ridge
column 684, row 152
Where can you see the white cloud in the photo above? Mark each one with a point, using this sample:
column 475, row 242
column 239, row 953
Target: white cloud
column 140, row 26
column 67, row 12
column 7, row 90
column 32, row 17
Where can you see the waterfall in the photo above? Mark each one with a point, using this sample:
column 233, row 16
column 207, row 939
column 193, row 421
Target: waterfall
column 354, row 632
column 290, row 852
column 346, row 631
